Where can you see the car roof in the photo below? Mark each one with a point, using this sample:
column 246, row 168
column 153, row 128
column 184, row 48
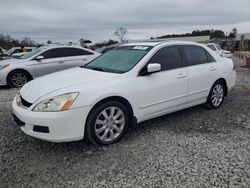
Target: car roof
column 170, row 42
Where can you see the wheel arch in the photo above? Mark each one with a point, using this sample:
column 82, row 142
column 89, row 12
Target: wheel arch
column 19, row 69
column 124, row 101
column 223, row 80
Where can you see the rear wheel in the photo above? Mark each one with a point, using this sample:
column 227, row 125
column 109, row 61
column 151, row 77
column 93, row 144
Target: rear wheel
column 107, row 123
column 18, row 78
column 216, row 95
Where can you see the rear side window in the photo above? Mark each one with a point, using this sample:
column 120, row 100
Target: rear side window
column 77, row 52
column 195, row 55
column 169, row 58
column 53, row 53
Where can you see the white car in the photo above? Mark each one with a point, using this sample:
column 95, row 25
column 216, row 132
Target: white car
column 132, row 83
column 216, row 48
column 42, row 61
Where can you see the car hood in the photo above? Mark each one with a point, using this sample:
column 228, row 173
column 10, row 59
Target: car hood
column 39, row 87
column 11, row 61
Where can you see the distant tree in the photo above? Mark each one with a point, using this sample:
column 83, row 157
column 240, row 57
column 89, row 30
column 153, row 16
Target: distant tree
column 84, row 42
column 105, row 43
column 233, row 33
column 120, row 33
column 49, row 42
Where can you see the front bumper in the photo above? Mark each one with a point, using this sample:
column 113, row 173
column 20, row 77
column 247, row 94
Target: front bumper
column 63, row 126
column 2, row 79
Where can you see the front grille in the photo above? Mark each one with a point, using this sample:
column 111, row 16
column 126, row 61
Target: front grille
column 25, row 103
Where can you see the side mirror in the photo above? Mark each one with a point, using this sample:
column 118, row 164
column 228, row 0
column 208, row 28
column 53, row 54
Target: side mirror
column 153, row 67
column 150, row 68
column 38, row 58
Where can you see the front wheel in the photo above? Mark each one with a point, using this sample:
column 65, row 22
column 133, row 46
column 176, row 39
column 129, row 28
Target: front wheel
column 107, row 123
column 216, row 95
column 18, row 78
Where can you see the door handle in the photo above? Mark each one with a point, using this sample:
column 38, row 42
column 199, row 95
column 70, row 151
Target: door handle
column 180, row 76
column 213, row 68
column 60, row 62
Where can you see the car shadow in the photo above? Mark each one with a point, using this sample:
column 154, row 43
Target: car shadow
column 4, row 87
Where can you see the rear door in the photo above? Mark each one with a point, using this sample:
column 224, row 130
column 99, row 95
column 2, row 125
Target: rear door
column 202, row 72
column 77, row 57
column 165, row 90
column 53, row 61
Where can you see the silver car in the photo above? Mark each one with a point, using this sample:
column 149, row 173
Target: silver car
column 42, row 61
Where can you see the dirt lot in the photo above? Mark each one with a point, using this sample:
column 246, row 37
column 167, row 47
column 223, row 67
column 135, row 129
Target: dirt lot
column 192, row 148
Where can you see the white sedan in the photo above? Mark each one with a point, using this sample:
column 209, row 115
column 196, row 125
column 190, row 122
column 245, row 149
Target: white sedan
column 128, row 85
column 216, row 48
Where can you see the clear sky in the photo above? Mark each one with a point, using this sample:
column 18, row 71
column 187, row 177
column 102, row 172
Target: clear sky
column 70, row 20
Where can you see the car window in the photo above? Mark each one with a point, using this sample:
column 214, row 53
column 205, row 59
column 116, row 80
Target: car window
column 53, row 53
column 77, row 52
column 169, row 58
column 211, row 47
column 210, row 57
column 195, row 55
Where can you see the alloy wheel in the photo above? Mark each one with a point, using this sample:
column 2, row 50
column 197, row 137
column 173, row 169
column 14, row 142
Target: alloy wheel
column 19, row 79
column 109, row 124
column 217, row 95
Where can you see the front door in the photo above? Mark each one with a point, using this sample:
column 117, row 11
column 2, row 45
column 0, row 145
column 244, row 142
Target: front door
column 54, row 60
column 163, row 91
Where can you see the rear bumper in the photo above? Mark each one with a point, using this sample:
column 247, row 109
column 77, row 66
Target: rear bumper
column 63, row 126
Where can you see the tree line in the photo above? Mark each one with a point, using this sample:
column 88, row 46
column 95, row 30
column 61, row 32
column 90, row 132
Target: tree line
column 8, row 42
column 212, row 33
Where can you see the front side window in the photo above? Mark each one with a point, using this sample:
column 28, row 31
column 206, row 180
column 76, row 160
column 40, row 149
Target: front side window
column 119, row 60
column 53, row 53
column 169, row 58
column 195, row 55
column 77, row 52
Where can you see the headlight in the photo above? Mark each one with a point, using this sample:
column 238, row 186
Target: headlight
column 4, row 66
column 56, row 104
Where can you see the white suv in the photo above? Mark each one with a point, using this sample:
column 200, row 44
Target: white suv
column 42, row 61
column 132, row 83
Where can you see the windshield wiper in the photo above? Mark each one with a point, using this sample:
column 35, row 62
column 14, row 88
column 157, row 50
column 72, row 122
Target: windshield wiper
column 98, row 69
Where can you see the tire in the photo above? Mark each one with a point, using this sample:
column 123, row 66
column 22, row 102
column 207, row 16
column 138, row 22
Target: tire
column 103, row 128
column 216, row 95
column 18, row 78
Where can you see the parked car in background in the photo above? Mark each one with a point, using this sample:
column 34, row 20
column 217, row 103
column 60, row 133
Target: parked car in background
column 44, row 60
column 3, row 54
column 104, row 50
column 14, row 50
column 131, row 83
column 20, row 54
column 216, row 48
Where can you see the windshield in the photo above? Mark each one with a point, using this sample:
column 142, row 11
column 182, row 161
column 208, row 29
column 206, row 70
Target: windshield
column 30, row 54
column 119, row 60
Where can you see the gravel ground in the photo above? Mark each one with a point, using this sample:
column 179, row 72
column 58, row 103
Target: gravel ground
column 191, row 148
